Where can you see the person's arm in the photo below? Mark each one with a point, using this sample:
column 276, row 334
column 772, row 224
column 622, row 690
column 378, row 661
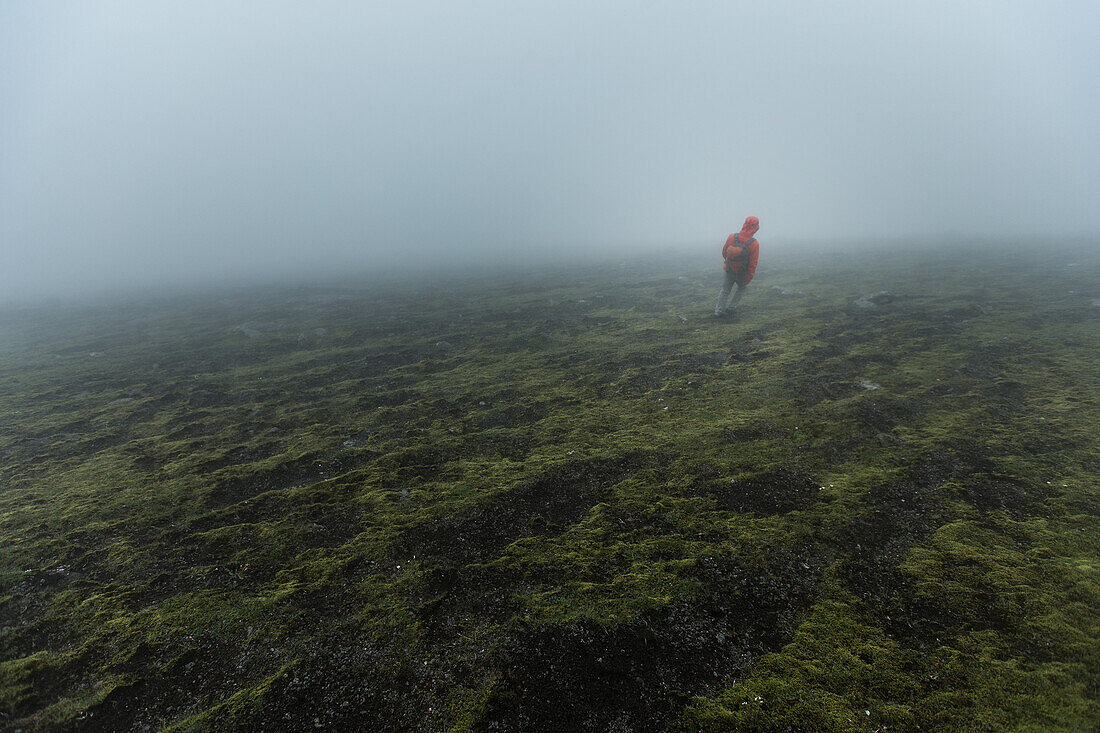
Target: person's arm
column 728, row 247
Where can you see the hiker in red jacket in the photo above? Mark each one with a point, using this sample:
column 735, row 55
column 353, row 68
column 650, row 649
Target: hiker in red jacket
column 740, row 253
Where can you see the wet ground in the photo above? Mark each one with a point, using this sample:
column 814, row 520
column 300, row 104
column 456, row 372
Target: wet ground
column 868, row 501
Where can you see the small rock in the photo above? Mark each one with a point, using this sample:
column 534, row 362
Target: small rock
column 868, row 384
column 271, row 431
column 445, row 345
column 95, row 354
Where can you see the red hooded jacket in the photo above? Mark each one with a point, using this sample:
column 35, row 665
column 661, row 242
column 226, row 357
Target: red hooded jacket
column 736, row 244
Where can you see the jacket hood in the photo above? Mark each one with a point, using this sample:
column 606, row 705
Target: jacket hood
column 752, row 224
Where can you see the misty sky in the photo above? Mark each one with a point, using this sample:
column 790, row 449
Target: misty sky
column 157, row 142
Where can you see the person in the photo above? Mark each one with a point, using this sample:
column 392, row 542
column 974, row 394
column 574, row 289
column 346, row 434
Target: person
column 740, row 252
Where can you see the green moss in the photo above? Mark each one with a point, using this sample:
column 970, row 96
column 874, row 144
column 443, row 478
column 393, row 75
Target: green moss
column 811, row 517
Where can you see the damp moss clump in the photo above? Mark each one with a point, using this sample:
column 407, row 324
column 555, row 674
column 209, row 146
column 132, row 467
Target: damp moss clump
column 569, row 501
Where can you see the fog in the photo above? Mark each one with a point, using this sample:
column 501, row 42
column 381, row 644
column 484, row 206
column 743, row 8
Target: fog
column 164, row 143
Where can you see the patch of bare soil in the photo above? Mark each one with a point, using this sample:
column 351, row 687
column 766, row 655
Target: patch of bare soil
column 636, row 676
column 1019, row 498
column 898, row 516
column 544, row 506
column 771, row 492
column 349, row 685
column 880, row 414
column 166, row 692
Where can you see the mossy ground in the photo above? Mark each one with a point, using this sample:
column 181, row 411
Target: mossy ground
column 563, row 501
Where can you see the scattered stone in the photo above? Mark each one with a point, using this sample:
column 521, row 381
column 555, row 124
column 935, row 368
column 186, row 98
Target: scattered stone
column 95, row 354
column 868, row 384
column 785, row 291
column 871, row 300
column 271, row 431
column 445, row 345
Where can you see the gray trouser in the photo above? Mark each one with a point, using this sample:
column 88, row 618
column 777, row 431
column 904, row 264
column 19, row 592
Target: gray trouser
column 727, row 286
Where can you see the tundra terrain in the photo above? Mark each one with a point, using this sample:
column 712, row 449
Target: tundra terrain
column 563, row 499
